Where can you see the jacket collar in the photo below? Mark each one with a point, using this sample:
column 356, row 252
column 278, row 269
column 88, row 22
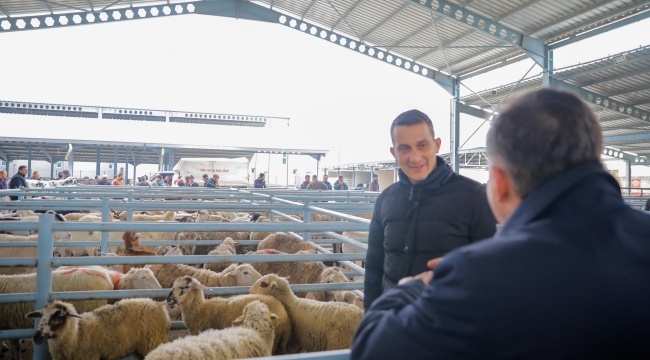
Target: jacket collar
column 551, row 190
column 437, row 178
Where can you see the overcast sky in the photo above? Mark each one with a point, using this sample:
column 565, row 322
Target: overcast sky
column 203, row 63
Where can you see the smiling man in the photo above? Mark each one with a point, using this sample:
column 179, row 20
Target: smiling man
column 428, row 213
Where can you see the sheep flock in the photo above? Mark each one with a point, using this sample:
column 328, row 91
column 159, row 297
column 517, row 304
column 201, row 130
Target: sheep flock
column 270, row 320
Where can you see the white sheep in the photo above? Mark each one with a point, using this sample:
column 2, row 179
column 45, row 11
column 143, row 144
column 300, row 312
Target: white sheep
column 317, row 326
column 112, row 332
column 253, row 337
column 200, row 314
column 227, row 247
column 330, row 275
column 13, row 252
column 169, row 216
column 286, row 243
column 352, row 299
column 234, row 275
column 260, row 235
column 58, row 235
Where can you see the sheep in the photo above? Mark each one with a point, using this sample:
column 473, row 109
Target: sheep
column 348, row 249
column 257, row 235
column 352, row 299
column 18, row 252
column 254, row 338
column 227, row 247
column 61, row 235
column 130, row 327
column 329, row 276
column 317, row 326
column 301, row 272
column 234, row 275
column 169, row 216
column 131, row 246
column 286, row 243
column 200, row 314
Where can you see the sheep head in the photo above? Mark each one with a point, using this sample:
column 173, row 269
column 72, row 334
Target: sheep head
column 255, row 312
column 142, row 278
column 131, row 239
column 335, row 275
column 245, row 275
column 54, row 317
column 184, row 289
column 272, row 285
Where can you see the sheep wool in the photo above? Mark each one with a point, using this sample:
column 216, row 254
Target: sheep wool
column 287, row 243
column 227, row 247
column 200, row 314
column 234, row 275
column 317, row 326
column 112, row 332
column 252, row 338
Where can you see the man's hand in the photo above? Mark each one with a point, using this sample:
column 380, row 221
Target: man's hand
column 426, row 278
column 433, row 263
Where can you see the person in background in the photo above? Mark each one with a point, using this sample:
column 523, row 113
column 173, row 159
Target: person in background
column 429, row 212
column 65, row 174
column 326, row 182
column 35, row 176
column 95, row 181
column 85, row 182
column 3, row 186
column 305, row 183
column 167, row 181
column 260, row 182
column 192, row 183
column 564, row 278
column 374, row 184
column 119, row 180
column 215, row 177
column 159, row 181
column 210, row 183
column 340, row 184
column 142, row 181
column 647, row 205
column 18, row 180
column 104, row 180
column 314, row 184
column 60, row 176
column 179, row 182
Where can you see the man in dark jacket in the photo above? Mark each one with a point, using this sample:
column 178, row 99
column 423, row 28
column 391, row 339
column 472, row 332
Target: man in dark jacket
column 374, row 184
column 428, row 213
column 104, row 180
column 192, row 183
column 260, row 182
column 305, row 183
column 340, row 184
column 566, row 276
column 647, row 205
column 326, row 182
column 18, row 180
column 210, row 183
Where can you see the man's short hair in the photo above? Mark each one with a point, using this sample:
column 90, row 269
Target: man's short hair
column 341, row 177
column 21, row 167
column 541, row 135
column 215, row 175
column 35, row 172
column 3, row 171
column 306, row 176
column 120, row 174
column 410, row 118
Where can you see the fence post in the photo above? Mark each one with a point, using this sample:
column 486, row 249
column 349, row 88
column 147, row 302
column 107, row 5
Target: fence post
column 129, row 211
column 44, row 274
column 306, row 218
column 270, row 211
column 106, row 213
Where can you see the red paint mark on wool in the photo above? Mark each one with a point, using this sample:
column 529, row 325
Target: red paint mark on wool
column 116, row 278
column 268, row 251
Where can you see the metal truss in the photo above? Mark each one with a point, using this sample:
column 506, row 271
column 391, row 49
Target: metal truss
column 626, row 156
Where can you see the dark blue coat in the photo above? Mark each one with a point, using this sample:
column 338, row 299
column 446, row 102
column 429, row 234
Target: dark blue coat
column 567, row 277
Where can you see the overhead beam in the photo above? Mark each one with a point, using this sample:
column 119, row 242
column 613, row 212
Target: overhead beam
column 569, row 17
column 494, row 67
column 615, row 77
column 534, row 48
column 600, row 68
column 601, row 30
column 626, row 138
column 626, row 156
column 476, row 112
column 385, row 21
column 348, row 13
column 308, row 9
column 629, row 90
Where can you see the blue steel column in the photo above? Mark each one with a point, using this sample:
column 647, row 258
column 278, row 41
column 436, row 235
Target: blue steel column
column 71, row 162
column 547, row 78
column 106, row 212
column 628, row 168
column 114, row 162
column 43, row 273
column 455, row 128
column 306, row 217
column 51, row 168
column 29, row 160
column 99, row 161
column 126, row 168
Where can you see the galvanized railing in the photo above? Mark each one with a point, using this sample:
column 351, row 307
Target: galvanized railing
column 272, row 202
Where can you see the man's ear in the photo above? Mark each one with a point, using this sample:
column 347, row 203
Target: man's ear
column 502, row 184
column 392, row 151
column 438, row 142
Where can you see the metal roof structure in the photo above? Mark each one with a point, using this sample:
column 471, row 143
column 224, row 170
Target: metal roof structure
column 616, row 87
column 469, row 159
column 444, row 40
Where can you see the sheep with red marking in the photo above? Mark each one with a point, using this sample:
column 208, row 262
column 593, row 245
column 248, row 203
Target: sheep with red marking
column 111, row 332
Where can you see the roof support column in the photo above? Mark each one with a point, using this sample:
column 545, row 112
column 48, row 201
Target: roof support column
column 547, row 78
column 99, row 160
column 29, row 160
column 126, row 168
column 287, row 155
column 628, row 171
column 454, row 140
column 51, row 169
column 170, row 159
column 354, row 176
column 114, row 162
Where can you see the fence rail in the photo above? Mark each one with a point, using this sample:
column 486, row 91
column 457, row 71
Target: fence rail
column 277, row 203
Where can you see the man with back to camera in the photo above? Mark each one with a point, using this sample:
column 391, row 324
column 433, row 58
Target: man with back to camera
column 374, row 184
column 566, row 276
column 429, row 212
column 315, row 184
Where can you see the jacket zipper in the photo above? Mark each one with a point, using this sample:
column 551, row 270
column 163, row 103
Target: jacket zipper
column 411, row 193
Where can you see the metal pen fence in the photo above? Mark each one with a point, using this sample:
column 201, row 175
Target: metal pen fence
column 277, row 203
